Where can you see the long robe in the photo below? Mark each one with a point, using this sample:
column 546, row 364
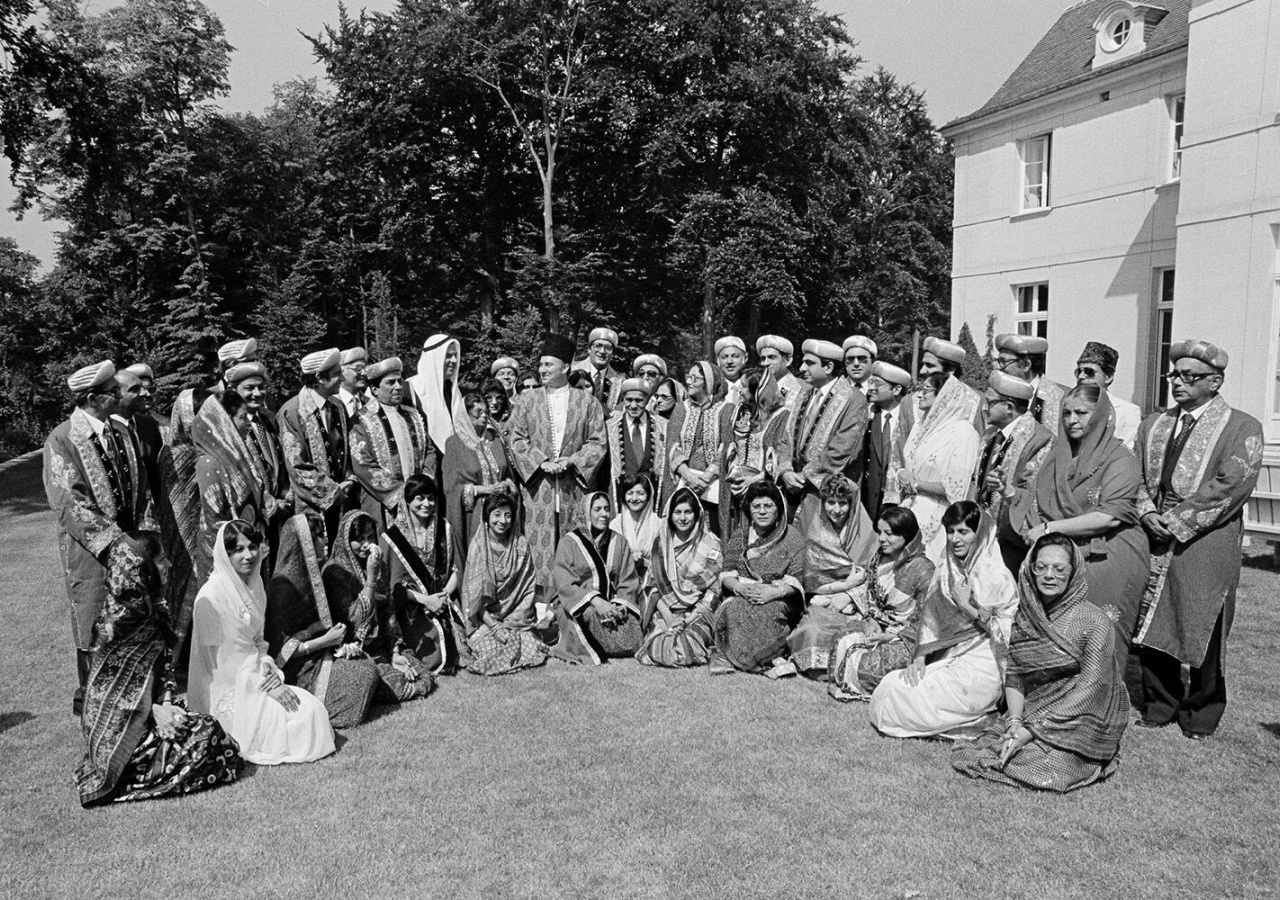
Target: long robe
column 178, row 471
column 471, row 461
column 585, row 571
column 825, row 437
column 317, row 459
column 380, row 464
column 1046, row 405
column 696, row 437
column 553, row 502
column 1194, row 579
column 622, row 461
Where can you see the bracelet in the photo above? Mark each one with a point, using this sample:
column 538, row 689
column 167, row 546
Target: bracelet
column 1046, row 527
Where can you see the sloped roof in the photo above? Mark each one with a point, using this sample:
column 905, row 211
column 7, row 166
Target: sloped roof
column 1064, row 55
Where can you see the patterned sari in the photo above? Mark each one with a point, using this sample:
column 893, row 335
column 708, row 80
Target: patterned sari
column 500, row 580
column 233, row 481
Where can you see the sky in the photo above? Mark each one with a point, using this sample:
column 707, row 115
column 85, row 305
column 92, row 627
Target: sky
column 958, row 52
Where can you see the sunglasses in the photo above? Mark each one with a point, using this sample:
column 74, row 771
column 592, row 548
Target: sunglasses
column 1186, row 377
column 1087, row 371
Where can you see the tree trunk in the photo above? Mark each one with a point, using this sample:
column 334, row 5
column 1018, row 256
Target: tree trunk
column 708, row 316
column 551, row 295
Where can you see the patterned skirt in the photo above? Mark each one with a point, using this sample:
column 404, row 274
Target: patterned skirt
column 676, row 647
column 515, row 650
column 812, row 641
column 855, row 668
column 616, row 639
column 1037, row 765
column 752, row 635
column 205, row 758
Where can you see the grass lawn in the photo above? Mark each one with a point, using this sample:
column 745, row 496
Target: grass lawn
column 623, row 782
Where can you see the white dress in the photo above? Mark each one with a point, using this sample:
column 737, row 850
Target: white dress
column 943, row 447
column 229, row 659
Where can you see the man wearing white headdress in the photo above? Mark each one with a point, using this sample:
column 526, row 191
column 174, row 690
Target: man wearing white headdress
column 859, row 356
column 433, row 391
column 606, row 381
column 776, row 354
column 354, row 391
column 389, row 443
column 731, row 360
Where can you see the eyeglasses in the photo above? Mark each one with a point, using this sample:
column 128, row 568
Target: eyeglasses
column 1185, row 377
column 1003, row 364
column 602, row 346
column 1086, row 372
column 1043, row 569
column 858, row 358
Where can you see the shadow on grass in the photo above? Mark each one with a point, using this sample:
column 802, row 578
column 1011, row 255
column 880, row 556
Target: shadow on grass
column 21, row 488
column 1272, row 727
column 14, row 719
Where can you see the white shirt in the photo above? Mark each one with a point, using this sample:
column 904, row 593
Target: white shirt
column 323, row 405
column 1128, row 418
column 100, row 432
column 558, row 404
column 350, row 401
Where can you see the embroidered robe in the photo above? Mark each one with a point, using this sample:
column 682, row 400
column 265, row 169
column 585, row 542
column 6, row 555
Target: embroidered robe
column 378, row 460
column 625, row 458
column 825, row 438
column 316, row 458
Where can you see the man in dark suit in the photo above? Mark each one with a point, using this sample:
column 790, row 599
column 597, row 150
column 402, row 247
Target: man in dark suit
column 891, row 421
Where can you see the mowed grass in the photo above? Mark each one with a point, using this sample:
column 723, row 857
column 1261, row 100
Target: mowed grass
column 624, row 781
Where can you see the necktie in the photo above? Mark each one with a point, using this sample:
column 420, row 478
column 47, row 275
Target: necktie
column 637, row 439
column 886, row 437
column 1188, row 422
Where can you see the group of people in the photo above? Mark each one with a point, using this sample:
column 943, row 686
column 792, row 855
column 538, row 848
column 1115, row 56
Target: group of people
column 1013, row 568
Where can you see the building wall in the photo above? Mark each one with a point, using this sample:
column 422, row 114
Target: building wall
column 1111, row 221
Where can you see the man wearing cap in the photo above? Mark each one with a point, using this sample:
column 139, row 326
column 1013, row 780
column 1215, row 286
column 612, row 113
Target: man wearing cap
column 1200, row 462
column 826, row 434
column 776, row 354
column 96, row 485
column 557, row 445
column 731, row 360
column 313, row 435
column 1013, row 450
column 606, row 382
column 354, row 392
column 1022, row 356
column 134, row 414
column 506, row 371
column 249, row 380
column 891, row 421
column 859, row 355
column 938, row 355
column 1097, row 365
column 389, row 442
column 650, row 367
column 637, row 441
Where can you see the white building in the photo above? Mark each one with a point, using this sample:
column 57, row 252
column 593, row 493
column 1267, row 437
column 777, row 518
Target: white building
column 1123, row 185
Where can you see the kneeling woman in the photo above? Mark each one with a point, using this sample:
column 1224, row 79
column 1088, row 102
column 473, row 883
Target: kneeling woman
column 763, row 565
column 596, row 591
column 682, row 588
column 139, row 744
column 232, row 676
column 883, row 639
column 956, row 676
column 1064, row 684
column 498, row 595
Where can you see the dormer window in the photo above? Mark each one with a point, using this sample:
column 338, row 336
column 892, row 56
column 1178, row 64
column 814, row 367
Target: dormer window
column 1122, row 29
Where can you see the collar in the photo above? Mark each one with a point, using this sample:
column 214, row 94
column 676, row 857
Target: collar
column 827, row 388
column 316, row 397
column 1007, row 430
column 96, row 424
column 1035, row 383
column 559, row 391
column 1195, row 413
column 127, row 423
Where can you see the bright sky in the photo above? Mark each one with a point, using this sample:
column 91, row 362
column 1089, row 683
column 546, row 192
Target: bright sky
column 957, row 51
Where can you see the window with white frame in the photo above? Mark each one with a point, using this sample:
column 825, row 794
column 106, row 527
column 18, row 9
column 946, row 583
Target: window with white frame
column 1177, row 105
column 1032, row 312
column 1035, row 172
column 1163, row 337
column 1273, row 423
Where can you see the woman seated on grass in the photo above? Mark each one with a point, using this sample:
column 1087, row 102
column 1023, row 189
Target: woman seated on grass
column 596, row 592
column 1064, row 684
column 424, row 580
column 139, row 743
column 763, row 565
column 232, row 675
column 307, row 642
column 637, row 523
column 357, row 599
column 882, row 639
column 682, row 588
column 498, row 595
column 838, row 549
column 955, row 679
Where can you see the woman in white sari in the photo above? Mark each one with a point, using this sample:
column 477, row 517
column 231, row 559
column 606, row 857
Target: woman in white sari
column 939, row 457
column 232, row 676
column 637, row 523
column 956, row 677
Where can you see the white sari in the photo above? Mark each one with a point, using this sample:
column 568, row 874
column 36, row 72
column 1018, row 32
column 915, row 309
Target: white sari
column 229, row 659
column 943, row 448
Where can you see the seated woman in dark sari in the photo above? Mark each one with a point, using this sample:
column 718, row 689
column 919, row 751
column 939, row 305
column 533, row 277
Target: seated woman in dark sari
column 595, row 590
column 1064, row 684
column 882, row 637
column 682, row 588
column 423, row 581
column 139, row 743
column 305, row 639
column 354, row 583
column 838, row 550
column 498, row 591
column 764, row 599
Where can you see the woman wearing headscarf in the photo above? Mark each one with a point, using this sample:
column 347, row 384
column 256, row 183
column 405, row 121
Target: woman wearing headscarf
column 939, row 457
column 424, row 577
column 233, row 677
column 636, row 523
column 1064, row 684
column 882, row 638
column 838, row 549
column 312, row 647
column 498, row 592
column 760, row 424
column 595, row 591
column 697, row 433
column 475, row 466
column 682, row 588
column 139, row 742
column 1087, row 489
column 666, row 397
column 497, row 404
column 761, row 584
column 955, row 679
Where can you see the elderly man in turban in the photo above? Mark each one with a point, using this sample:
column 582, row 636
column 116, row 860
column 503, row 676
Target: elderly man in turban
column 96, row 485
column 826, row 434
column 606, row 382
column 891, row 420
column 313, row 435
column 389, row 442
column 506, row 371
column 353, row 393
column 1200, row 462
column 557, row 444
column 637, row 440
column 1022, row 356
column 1097, row 365
column 859, row 354
column 731, row 360
column 776, row 354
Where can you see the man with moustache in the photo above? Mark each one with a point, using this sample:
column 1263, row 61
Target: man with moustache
column 389, row 442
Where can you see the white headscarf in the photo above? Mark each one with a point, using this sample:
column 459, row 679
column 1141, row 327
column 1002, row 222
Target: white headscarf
column 428, row 387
